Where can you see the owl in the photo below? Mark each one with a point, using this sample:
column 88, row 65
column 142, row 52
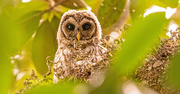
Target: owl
column 79, row 52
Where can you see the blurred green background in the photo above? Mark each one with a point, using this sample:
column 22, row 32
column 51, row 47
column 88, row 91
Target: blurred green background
column 28, row 35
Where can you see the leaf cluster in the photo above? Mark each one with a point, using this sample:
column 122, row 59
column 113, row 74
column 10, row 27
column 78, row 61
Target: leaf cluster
column 28, row 35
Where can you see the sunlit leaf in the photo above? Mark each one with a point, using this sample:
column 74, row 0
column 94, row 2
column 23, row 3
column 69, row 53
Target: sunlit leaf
column 45, row 16
column 55, row 24
column 28, row 24
column 16, row 2
column 58, row 14
column 94, row 4
column 170, row 3
column 173, row 71
column 53, row 89
column 3, row 2
column 109, row 86
column 6, row 47
column 51, row 15
column 24, row 67
column 6, row 73
column 44, row 45
column 176, row 17
column 61, row 9
column 29, row 7
column 140, row 37
column 18, row 26
column 74, row 4
column 11, row 40
column 110, row 11
column 138, row 7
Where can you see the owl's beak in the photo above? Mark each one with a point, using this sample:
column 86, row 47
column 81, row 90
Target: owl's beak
column 78, row 36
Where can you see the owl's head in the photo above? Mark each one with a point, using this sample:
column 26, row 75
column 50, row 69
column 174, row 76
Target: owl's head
column 79, row 25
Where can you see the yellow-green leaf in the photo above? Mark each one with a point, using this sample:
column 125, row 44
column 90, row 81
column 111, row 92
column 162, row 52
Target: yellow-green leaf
column 141, row 37
column 44, row 44
column 174, row 72
column 110, row 11
column 29, row 7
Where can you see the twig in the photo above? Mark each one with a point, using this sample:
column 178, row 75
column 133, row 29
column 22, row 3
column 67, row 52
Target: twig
column 48, row 63
column 52, row 7
column 41, row 13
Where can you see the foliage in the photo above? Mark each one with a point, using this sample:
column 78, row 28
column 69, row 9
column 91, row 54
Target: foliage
column 112, row 13
column 173, row 71
column 138, row 7
column 127, row 57
column 28, row 35
column 45, row 38
column 139, row 34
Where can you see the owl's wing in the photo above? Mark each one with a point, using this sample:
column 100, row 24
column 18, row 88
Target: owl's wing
column 62, row 55
column 96, row 55
column 61, row 66
column 57, row 56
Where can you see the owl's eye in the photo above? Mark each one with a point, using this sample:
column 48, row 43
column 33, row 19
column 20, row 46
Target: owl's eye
column 70, row 26
column 86, row 26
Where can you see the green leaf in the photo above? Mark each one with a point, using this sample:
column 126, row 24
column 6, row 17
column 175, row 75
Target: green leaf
column 28, row 25
column 110, row 12
column 14, row 36
column 109, row 86
column 3, row 2
column 51, row 16
column 18, row 26
column 138, row 7
column 45, row 16
column 6, row 45
column 53, row 89
column 6, row 73
column 140, row 38
column 170, row 3
column 55, row 23
column 74, row 4
column 44, row 44
column 58, row 14
column 94, row 4
column 29, row 7
column 174, row 72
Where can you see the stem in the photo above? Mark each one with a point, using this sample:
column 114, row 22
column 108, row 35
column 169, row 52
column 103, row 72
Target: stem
column 52, row 7
column 41, row 13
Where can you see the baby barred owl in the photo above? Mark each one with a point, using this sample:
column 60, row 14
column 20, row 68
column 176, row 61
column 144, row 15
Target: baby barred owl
column 79, row 51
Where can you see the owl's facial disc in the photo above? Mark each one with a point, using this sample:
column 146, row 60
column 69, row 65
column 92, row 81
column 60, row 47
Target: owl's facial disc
column 74, row 30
